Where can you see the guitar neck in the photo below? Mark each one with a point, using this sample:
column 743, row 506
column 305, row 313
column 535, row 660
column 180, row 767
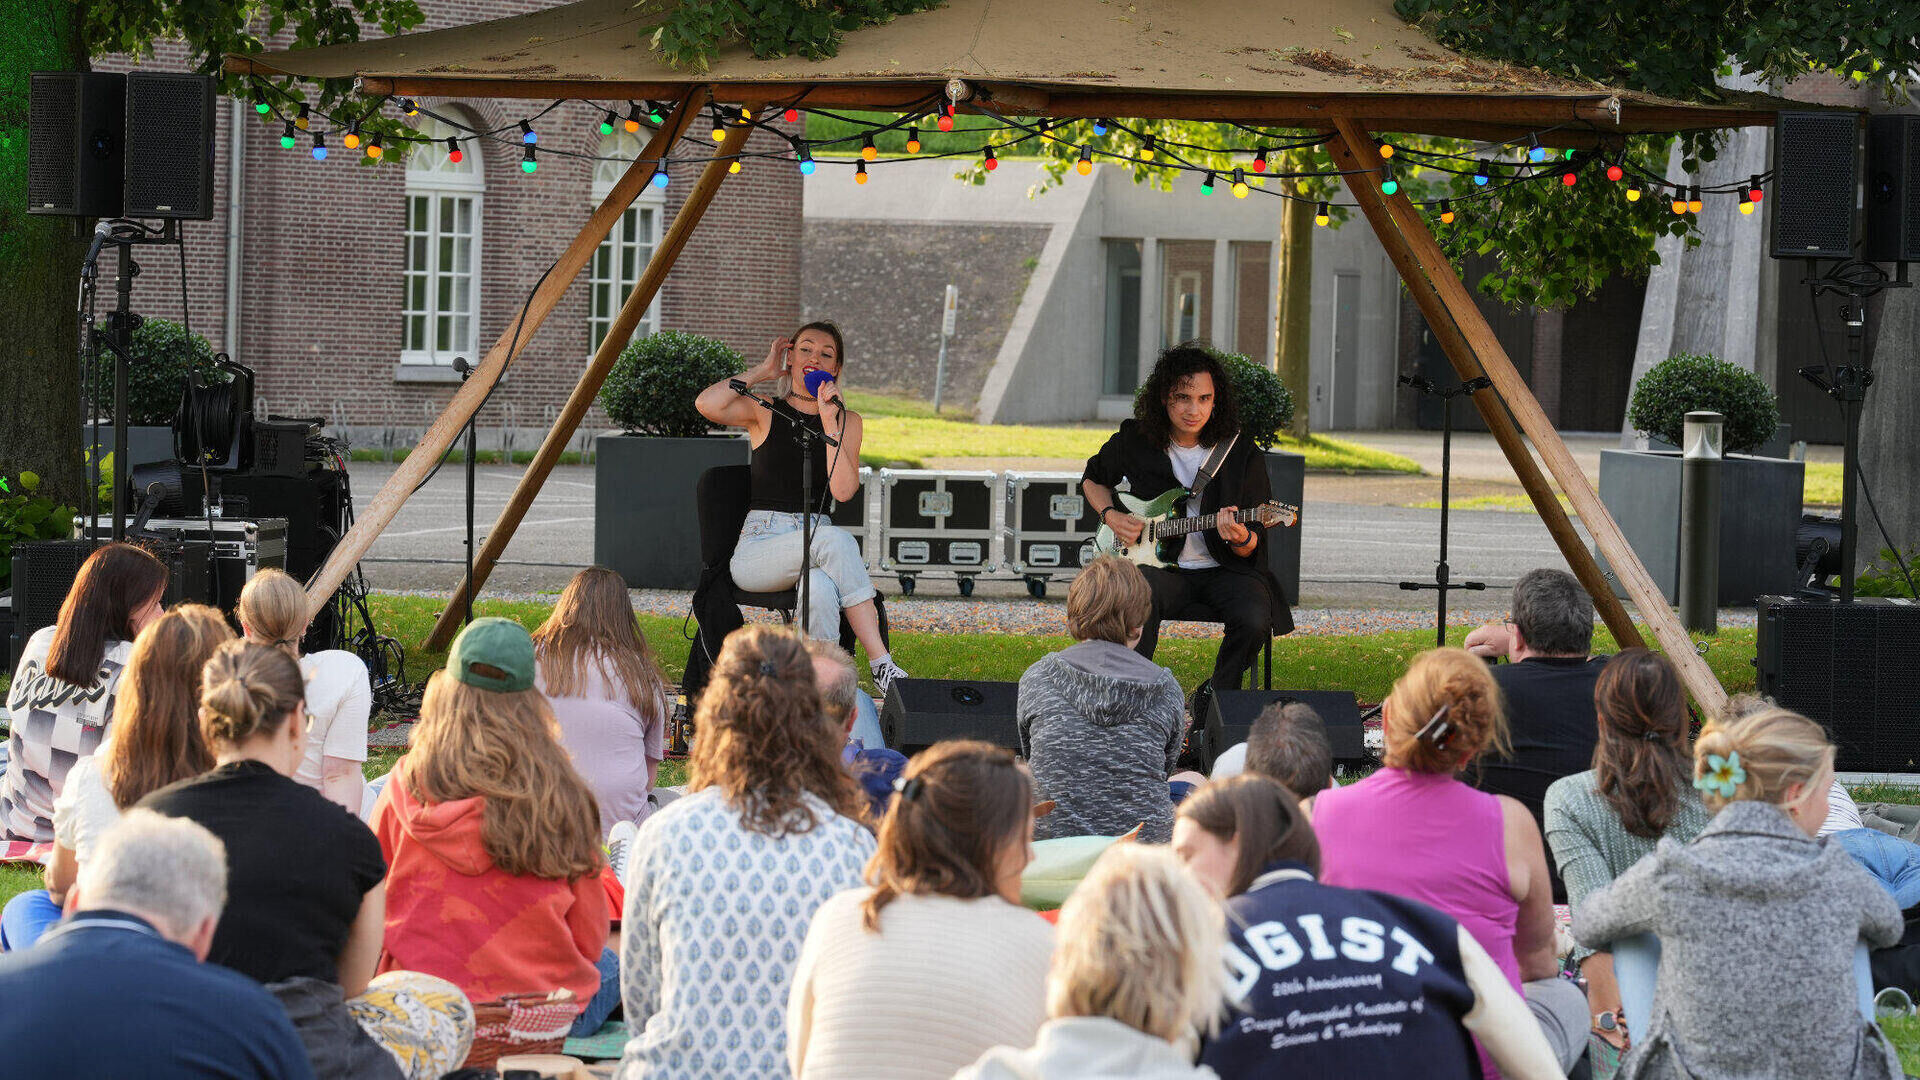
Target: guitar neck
column 1182, row 526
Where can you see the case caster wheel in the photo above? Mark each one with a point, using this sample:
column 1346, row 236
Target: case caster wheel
column 966, row 586
column 1037, row 588
column 906, row 586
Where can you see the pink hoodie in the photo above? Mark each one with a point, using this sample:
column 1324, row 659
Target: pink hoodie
column 452, row 913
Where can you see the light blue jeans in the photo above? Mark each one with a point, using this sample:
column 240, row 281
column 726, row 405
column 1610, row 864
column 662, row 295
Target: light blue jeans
column 768, row 560
column 866, row 723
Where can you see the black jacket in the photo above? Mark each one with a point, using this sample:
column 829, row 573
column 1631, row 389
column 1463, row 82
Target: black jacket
column 1242, row 481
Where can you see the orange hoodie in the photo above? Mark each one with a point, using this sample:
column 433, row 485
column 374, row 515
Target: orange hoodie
column 452, row 913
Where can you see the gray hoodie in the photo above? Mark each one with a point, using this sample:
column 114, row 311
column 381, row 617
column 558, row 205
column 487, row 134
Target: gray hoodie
column 1088, row 1048
column 1100, row 725
column 1757, row 925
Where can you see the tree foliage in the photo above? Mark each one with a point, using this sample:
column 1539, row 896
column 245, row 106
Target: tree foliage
column 693, row 33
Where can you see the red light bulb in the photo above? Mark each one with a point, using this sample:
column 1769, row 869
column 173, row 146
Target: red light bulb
column 1615, row 173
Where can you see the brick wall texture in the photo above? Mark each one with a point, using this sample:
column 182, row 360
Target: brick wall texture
column 322, row 257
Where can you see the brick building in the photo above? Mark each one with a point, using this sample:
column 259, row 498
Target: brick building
column 357, row 285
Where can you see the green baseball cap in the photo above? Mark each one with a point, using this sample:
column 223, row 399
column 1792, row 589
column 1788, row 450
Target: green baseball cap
column 493, row 654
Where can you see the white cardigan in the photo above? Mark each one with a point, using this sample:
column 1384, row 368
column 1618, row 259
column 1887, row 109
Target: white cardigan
column 941, row 982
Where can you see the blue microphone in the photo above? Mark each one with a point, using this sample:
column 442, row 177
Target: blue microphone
column 815, row 379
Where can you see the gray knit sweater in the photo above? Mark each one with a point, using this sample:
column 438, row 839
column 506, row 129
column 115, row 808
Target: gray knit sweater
column 1757, row 926
column 1100, row 726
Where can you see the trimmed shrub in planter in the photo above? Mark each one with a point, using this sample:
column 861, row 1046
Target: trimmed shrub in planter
column 1685, row 383
column 1266, row 405
column 164, row 353
column 645, row 518
column 651, row 388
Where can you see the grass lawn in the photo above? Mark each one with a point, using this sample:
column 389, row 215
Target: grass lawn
column 1822, row 489
column 1823, row 483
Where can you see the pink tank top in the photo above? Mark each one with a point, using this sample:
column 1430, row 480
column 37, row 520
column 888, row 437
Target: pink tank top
column 1428, row 838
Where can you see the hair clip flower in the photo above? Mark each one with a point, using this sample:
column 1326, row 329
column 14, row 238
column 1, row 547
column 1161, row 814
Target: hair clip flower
column 1723, row 775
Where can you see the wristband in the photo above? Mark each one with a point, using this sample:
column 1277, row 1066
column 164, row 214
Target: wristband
column 1104, row 511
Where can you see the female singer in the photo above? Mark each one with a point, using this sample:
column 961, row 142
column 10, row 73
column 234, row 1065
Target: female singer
column 768, row 557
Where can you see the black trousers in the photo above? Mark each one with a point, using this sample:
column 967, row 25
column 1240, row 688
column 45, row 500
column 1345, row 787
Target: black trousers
column 1239, row 600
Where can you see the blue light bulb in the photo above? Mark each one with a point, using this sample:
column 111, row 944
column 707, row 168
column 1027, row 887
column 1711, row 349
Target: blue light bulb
column 660, row 178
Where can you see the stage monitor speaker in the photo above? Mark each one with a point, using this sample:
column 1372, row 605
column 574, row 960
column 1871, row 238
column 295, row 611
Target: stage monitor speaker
column 170, row 140
column 76, row 126
column 43, row 572
column 1893, row 189
column 921, row 712
column 1815, row 178
column 1231, row 713
column 1850, row 667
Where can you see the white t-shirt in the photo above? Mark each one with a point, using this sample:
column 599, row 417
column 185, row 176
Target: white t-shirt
column 339, row 700
column 84, row 808
column 1186, row 465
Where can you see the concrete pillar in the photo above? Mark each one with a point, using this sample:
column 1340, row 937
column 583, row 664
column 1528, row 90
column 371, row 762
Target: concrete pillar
column 1151, row 298
column 1221, row 317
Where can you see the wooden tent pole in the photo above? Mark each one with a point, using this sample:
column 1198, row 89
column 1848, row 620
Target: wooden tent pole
column 659, row 265
column 1408, row 231
column 1366, row 191
column 513, row 339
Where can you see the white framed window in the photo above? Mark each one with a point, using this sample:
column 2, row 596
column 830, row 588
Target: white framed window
column 624, row 253
column 440, row 301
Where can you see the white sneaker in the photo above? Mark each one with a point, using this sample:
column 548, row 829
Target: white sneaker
column 619, row 846
column 884, row 674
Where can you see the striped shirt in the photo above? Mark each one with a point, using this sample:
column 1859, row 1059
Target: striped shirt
column 1841, row 812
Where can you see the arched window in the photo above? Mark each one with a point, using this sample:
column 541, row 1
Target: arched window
column 625, row 251
column 440, row 306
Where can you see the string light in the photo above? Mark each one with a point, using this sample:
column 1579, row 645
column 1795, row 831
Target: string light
column 374, row 149
column 1239, row 184
column 1569, row 176
column 719, row 126
column 654, row 116
column 659, row 178
column 319, row 146
column 1388, row 185
column 1482, row 172
column 260, row 103
column 1694, row 202
column 1146, row 149
column 607, row 122
column 1260, row 162
column 913, row 140
column 1615, row 173
column 746, row 115
column 1754, row 193
column 528, row 162
column 410, row 107
column 1446, row 212
column 528, row 135
column 1322, row 215
column 806, row 161
column 859, row 172
column 1100, row 126
column 305, row 119
column 1386, row 150
column 1537, row 153
column 791, row 116
column 867, row 150
column 286, row 137
column 1085, row 165
column 946, row 118
column 1746, row 202
column 733, row 166
column 1680, row 200
column 632, row 123
column 1569, row 154
column 454, row 153
column 1633, row 192
column 991, row 162
column 352, row 140
column 1206, row 183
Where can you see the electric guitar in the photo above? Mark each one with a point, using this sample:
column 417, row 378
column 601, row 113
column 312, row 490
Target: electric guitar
column 1160, row 541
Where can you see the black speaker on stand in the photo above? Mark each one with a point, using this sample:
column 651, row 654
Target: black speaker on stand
column 76, row 142
column 170, row 141
column 1893, row 189
column 1815, row 179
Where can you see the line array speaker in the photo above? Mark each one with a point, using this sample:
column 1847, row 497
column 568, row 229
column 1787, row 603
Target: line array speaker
column 1815, row 178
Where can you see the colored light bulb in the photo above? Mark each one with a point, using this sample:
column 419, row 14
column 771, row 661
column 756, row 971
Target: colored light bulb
column 1754, row 191
column 410, row 107
column 867, row 150
column 1146, row 149
column 528, row 135
column 859, row 172
column 1633, row 192
column 1536, row 153
column 1260, row 162
column 991, row 162
column 1239, row 184
column 1322, row 215
column 806, row 162
column 1446, row 212
column 1206, row 183
column 946, row 119
column 1388, row 185
column 1615, row 173
column 286, row 137
column 1085, row 165
column 305, row 119
column 659, row 179
column 913, row 140
column 1569, row 178
column 528, row 162
column 733, row 166
column 454, row 153
column 260, row 103
column 1482, row 173
column 1099, row 127
column 1694, row 203
column 1679, row 205
column 632, row 122
column 791, row 116
column 319, row 147
column 352, row 139
column 1746, row 204
column 374, row 149
column 607, row 122
column 654, row 116
column 1386, row 150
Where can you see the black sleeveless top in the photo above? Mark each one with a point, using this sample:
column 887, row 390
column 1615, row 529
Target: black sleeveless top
column 776, row 465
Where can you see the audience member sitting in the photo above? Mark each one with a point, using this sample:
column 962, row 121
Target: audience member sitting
column 129, row 957
column 486, row 814
column 63, row 691
column 1288, row 742
column 722, row 883
column 155, row 741
column 1405, row 983
column 606, row 692
column 938, row 946
column 1601, row 821
column 1099, row 723
column 875, row 768
column 1548, row 689
column 339, row 696
column 1136, row 977
column 1757, row 921
column 305, row 904
column 1415, row 830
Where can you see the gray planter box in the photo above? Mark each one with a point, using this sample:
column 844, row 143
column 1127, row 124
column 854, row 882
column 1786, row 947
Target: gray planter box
column 1759, row 511
column 1287, row 472
column 646, row 525
column 146, row 444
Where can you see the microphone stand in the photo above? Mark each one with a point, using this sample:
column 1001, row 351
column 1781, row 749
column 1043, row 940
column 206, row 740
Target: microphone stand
column 465, row 369
column 1442, row 574
column 807, row 438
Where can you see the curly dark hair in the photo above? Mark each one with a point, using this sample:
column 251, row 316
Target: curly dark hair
column 1175, row 366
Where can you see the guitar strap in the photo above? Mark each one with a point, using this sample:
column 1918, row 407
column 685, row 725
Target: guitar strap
column 1212, row 465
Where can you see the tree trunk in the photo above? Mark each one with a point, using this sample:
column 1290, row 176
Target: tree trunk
column 1295, row 330
column 39, row 269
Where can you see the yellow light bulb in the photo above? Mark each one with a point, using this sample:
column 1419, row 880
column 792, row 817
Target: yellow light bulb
column 1240, row 190
column 1633, row 194
column 719, row 133
column 733, row 166
column 1321, row 220
column 1146, row 153
column 1746, row 206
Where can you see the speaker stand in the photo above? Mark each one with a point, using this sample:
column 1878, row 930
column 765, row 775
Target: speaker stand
column 1442, row 575
column 117, row 339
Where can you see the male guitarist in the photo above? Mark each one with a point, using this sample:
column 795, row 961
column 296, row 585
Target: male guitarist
column 1181, row 416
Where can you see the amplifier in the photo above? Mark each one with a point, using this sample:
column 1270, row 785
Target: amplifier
column 921, row 712
column 1047, row 528
column 1231, row 713
column 854, row 515
column 937, row 520
column 1850, row 667
column 240, row 549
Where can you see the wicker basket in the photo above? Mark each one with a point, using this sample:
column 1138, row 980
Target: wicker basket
column 521, row 1024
